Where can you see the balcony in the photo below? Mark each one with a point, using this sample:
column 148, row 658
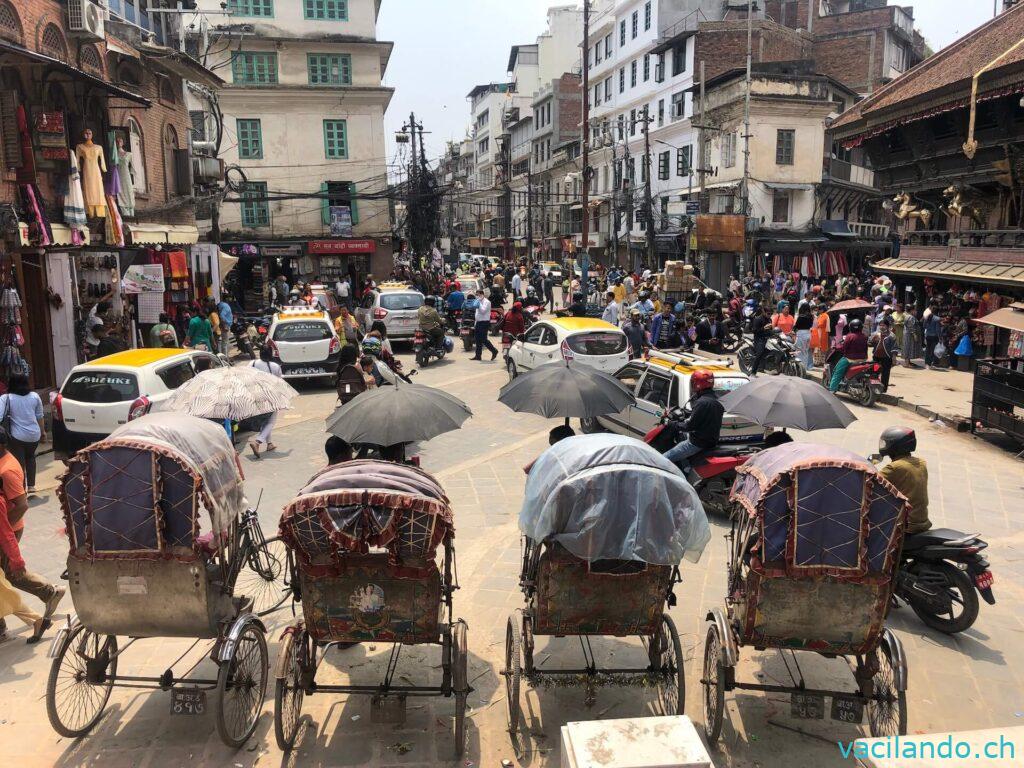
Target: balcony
column 976, row 238
column 869, row 231
column 903, row 23
column 840, row 170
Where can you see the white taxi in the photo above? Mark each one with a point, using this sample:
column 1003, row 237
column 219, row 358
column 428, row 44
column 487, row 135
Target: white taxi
column 584, row 340
column 99, row 396
column 303, row 342
column 660, row 382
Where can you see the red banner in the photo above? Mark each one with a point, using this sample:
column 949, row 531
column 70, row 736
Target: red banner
column 332, row 247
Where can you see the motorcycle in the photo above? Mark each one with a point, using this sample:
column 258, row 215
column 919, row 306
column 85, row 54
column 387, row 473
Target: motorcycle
column 779, row 357
column 733, row 335
column 242, row 340
column 862, row 381
column 425, row 350
column 496, row 316
column 467, row 330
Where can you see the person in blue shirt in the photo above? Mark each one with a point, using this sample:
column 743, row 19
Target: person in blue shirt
column 644, row 306
column 227, row 318
column 456, row 299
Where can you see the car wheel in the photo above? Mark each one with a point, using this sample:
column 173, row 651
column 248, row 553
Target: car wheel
column 591, row 426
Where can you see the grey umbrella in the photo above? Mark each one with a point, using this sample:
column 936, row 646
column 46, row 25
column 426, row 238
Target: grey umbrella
column 566, row 391
column 788, row 402
column 404, row 413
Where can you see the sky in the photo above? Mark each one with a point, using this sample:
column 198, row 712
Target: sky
column 445, row 47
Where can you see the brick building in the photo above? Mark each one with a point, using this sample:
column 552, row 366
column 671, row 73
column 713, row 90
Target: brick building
column 66, row 68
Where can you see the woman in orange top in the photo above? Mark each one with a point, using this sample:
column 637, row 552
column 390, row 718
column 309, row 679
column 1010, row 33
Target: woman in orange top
column 820, row 333
column 784, row 320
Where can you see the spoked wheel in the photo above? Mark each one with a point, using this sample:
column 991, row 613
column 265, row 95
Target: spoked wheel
column 510, row 366
column 666, row 654
column 887, row 709
column 714, row 685
column 513, row 671
column 262, row 578
column 81, row 676
column 460, row 682
column 527, row 643
column 241, row 686
column 289, row 692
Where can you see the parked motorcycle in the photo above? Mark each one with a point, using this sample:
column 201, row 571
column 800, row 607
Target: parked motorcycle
column 733, row 335
column 425, row 350
column 242, row 342
column 779, row 358
column 862, row 381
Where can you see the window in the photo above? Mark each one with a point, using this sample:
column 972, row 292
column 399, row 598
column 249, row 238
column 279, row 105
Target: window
column 175, row 375
column 336, row 139
column 784, row 142
column 659, row 69
column 597, row 95
column 622, row 33
column 608, row 89
column 632, row 74
column 629, row 377
column 401, row 301
column 684, row 161
column 780, row 206
column 679, row 59
column 329, row 10
column 483, row 147
column 598, row 343
column 166, row 91
column 251, row 68
column 636, row 23
column 664, row 159
column 608, row 46
column 661, row 112
column 679, row 105
column 101, row 387
column 299, row 331
column 170, row 166
column 250, row 139
column 329, row 68
column 255, row 209
column 632, row 122
column 88, row 57
column 10, row 24
column 729, row 150
column 263, row 8
column 647, row 67
column 647, row 15
column 52, row 43
column 622, row 79
column 137, row 148
column 622, row 127
column 597, row 53
column 655, row 390
column 631, row 170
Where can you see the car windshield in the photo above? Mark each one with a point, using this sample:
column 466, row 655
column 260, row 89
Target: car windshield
column 299, row 331
column 101, row 387
column 598, row 343
column 400, row 301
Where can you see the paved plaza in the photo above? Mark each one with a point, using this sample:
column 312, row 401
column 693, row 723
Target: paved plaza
column 975, row 680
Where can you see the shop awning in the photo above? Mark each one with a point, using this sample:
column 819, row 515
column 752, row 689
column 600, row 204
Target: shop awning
column 62, row 236
column 40, row 58
column 838, row 228
column 965, row 271
column 162, row 234
column 1009, row 318
column 785, row 241
column 226, row 262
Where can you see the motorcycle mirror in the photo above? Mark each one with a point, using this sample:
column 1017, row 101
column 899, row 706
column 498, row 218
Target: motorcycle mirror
column 414, row 371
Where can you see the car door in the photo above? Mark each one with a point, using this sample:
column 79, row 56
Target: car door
column 546, row 349
column 652, row 399
column 527, row 349
column 629, row 376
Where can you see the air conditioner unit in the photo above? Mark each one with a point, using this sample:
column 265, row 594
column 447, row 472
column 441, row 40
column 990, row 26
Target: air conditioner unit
column 85, row 19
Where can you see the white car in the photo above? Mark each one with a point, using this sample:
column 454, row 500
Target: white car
column 99, row 396
column 584, row 340
column 303, row 342
column 661, row 382
column 397, row 308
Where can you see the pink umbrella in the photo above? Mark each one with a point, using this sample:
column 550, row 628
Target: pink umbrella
column 850, row 306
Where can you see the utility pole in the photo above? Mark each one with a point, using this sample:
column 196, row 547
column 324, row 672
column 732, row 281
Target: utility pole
column 701, row 170
column 616, row 189
column 746, row 112
column 585, row 230
column 529, row 214
column 652, row 259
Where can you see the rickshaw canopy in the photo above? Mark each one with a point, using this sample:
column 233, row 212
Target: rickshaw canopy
column 139, row 490
column 608, row 497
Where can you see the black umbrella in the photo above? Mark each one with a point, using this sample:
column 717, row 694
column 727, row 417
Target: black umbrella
column 565, row 391
column 788, row 402
column 404, row 413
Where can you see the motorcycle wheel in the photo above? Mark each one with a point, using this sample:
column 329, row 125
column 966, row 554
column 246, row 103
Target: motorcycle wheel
column 746, row 360
column 422, row 359
column 591, row 427
column 962, row 593
column 467, row 343
column 866, row 397
column 732, row 342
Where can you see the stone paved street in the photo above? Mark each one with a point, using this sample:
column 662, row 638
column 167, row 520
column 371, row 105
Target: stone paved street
column 973, row 681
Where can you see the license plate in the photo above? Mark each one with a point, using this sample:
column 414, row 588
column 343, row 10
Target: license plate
column 405, row 321
column 309, row 371
column 847, row 710
column 809, row 706
column 188, row 701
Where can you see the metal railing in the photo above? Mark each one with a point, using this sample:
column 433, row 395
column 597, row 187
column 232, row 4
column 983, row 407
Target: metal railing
column 855, row 174
column 869, row 231
column 975, row 238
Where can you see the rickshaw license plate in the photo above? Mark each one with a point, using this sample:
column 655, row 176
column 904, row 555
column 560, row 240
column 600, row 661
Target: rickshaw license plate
column 188, row 701
column 809, row 706
column 847, row 710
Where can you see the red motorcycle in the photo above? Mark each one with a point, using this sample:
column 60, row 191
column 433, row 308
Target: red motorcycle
column 862, row 381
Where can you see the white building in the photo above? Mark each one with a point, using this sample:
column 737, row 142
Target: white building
column 303, row 120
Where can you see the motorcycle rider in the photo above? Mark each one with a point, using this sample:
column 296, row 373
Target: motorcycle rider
column 908, row 473
column 430, row 322
column 513, row 323
column 854, row 346
column 645, row 305
column 704, row 424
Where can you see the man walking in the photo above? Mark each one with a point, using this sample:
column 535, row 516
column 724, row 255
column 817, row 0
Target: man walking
column 611, row 310
column 761, row 326
column 227, row 318
column 483, row 326
column 344, row 291
column 549, row 291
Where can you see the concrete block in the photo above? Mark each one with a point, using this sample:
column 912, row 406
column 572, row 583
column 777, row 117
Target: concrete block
column 637, row 742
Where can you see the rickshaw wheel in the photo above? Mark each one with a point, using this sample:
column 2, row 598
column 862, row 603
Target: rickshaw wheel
column 669, row 663
column 887, row 718
column 241, row 686
column 513, row 671
column 262, row 577
column 460, row 682
column 81, row 702
column 527, row 642
column 288, row 693
column 714, row 686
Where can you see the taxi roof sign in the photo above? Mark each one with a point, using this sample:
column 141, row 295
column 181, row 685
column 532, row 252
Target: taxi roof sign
column 301, row 313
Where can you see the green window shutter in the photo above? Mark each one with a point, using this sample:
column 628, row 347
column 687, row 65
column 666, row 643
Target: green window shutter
column 329, row 69
column 254, row 68
column 353, row 202
column 257, row 212
column 335, row 139
column 330, row 10
column 325, row 206
column 263, row 8
column 250, row 139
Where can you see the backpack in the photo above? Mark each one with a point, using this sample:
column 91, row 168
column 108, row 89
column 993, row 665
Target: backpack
column 350, row 383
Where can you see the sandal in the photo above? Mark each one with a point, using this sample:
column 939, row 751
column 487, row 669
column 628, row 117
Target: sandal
column 40, row 626
column 255, row 448
column 271, row 447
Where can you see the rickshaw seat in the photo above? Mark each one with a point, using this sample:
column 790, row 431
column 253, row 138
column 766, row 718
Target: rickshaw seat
column 141, row 597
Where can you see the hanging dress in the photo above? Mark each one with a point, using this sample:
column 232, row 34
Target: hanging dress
column 91, row 165
column 126, row 195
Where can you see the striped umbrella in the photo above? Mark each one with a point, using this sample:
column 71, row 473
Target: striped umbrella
column 232, row 393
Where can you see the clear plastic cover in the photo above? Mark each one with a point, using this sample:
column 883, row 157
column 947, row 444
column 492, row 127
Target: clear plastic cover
column 608, row 497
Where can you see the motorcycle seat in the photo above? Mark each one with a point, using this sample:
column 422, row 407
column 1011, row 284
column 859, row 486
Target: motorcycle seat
column 935, row 536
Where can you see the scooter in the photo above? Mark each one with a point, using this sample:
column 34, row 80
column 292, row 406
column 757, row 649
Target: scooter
column 862, row 381
column 425, row 351
column 467, row 330
column 242, row 340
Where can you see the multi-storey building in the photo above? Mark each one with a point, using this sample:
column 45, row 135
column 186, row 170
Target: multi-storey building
column 303, row 121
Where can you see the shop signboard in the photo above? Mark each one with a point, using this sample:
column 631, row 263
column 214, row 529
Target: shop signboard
column 332, row 247
column 341, row 221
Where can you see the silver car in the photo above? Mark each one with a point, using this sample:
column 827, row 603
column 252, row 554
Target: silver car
column 396, row 309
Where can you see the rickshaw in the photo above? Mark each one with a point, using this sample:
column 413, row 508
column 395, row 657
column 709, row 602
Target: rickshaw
column 814, row 550
column 139, row 567
column 606, row 520
column 363, row 538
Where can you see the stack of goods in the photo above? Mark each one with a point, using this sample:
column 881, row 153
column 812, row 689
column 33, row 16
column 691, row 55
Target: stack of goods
column 678, row 278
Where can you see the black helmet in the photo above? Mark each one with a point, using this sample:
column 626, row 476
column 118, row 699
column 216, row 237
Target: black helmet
column 430, row 301
column 645, row 295
column 856, row 324
column 897, row 441
column 577, row 297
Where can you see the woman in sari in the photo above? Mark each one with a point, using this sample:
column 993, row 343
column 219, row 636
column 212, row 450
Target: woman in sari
column 820, row 335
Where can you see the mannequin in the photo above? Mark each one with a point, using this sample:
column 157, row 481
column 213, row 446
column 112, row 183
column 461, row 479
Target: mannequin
column 126, row 172
column 92, row 164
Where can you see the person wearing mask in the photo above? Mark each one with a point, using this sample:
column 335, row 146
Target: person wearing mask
column 636, row 334
column 611, row 310
column 430, row 321
column 704, row 425
column 854, row 346
column 482, row 318
column 22, row 409
column 199, row 334
column 264, row 437
column 802, row 327
column 663, row 329
column 162, row 334
column 932, row 335
column 907, row 473
column 225, row 318
column 711, row 333
column 885, row 350
column 346, row 327
column 761, row 327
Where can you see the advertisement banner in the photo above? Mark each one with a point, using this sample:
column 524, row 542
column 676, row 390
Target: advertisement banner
column 341, row 221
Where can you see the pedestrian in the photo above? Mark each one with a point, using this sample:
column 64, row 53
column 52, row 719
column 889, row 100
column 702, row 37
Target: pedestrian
column 264, row 437
column 802, row 328
column 162, row 334
column 783, row 320
column 611, row 310
column 761, row 326
column 932, row 334
column 517, row 286
column 200, row 333
column 343, row 289
column 636, row 334
column 663, row 329
column 22, row 417
column 820, row 334
column 210, row 309
column 898, row 318
column 13, row 505
column 226, row 318
column 346, row 327
column 482, row 326
column 911, row 347
column 549, row 291
column 885, row 350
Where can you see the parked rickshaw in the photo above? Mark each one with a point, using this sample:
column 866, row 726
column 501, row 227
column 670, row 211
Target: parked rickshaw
column 814, row 549
column 140, row 567
column 364, row 537
column 606, row 521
